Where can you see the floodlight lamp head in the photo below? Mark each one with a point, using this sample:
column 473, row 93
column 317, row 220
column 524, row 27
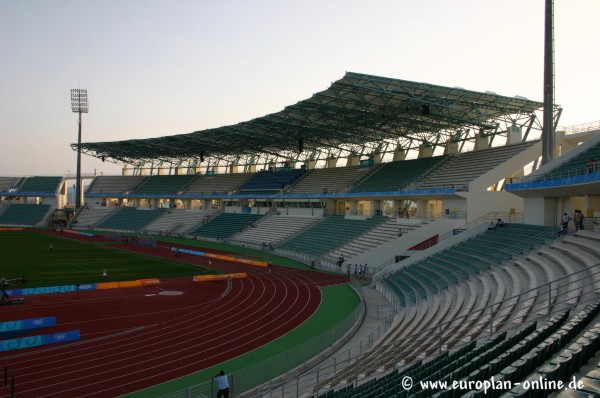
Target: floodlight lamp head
column 79, row 100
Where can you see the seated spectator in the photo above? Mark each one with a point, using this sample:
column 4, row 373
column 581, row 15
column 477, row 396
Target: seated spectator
column 591, row 166
column 500, row 223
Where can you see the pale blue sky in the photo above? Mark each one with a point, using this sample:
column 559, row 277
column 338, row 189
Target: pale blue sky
column 154, row 68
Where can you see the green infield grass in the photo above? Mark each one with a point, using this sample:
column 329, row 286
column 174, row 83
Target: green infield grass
column 28, row 254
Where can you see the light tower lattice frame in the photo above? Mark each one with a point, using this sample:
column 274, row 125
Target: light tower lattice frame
column 79, row 105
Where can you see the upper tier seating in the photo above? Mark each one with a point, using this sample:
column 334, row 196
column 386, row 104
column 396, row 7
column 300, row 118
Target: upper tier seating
column 574, row 166
column 131, row 219
column 164, row 184
column 458, row 171
column 23, row 214
column 114, row 184
column 330, row 180
column 266, row 181
column 217, row 184
column 40, row 184
column 395, row 176
column 329, row 234
column 226, row 225
column 8, row 183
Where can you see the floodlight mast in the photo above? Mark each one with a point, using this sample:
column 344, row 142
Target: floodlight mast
column 548, row 122
column 79, row 104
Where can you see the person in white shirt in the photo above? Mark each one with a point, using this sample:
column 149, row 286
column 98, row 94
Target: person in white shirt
column 222, row 385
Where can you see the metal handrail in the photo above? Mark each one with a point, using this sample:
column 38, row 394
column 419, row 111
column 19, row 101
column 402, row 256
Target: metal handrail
column 525, row 175
column 522, row 308
column 483, row 321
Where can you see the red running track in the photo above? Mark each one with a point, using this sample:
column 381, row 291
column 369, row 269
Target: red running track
column 134, row 338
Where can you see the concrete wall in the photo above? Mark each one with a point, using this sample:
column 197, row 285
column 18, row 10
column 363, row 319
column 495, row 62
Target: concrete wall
column 481, row 203
column 509, row 168
column 543, row 211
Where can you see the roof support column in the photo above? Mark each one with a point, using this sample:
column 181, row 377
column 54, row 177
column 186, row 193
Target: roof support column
column 399, row 154
column 482, row 141
column 451, row 147
column 425, row 150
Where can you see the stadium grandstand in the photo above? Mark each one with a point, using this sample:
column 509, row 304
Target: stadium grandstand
column 472, row 274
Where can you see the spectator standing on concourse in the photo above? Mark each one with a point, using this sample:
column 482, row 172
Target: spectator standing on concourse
column 222, row 385
column 565, row 221
column 578, row 220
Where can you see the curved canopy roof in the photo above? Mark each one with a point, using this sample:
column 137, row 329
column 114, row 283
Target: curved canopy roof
column 355, row 110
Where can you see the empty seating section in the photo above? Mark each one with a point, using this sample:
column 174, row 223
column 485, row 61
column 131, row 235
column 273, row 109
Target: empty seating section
column 89, row 217
column 576, row 353
column 266, row 181
column 177, row 221
column 471, row 256
column 472, row 287
column 329, row 234
column 162, row 184
column 218, row 183
column 445, row 366
column 40, row 184
column 114, row 184
column 575, row 165
column 477, row 284
column 8, row 183
column 131, row 219
column 550, row 352
column 458, row 171
column 382, row 233
column 330, row 180
column 275, row 229
column 226, row 225
column 23, row 214
column 395, row 176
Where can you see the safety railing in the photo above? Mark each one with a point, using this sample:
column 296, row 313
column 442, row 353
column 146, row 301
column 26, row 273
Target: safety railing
column 513, row 312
